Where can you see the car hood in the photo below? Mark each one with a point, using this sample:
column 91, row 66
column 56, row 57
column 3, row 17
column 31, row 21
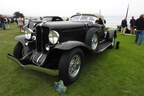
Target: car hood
column 64, row 24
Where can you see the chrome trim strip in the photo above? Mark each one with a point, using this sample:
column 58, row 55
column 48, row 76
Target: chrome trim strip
column 39, row 57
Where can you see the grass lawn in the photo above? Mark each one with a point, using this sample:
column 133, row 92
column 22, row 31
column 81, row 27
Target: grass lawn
column 111, row 73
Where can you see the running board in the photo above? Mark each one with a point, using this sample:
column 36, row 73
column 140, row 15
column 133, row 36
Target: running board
column 103, row 46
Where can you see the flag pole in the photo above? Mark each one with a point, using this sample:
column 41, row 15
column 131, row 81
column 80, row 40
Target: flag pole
column 127, row 12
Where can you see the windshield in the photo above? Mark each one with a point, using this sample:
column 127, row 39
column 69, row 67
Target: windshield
column 84, row 18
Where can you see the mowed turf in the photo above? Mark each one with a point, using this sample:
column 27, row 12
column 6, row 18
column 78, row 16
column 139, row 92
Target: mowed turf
column 111, row 73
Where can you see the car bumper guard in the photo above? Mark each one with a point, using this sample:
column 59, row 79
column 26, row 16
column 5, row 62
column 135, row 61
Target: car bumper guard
column 34, row 67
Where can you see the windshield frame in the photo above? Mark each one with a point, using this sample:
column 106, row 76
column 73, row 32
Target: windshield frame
column 87, row 18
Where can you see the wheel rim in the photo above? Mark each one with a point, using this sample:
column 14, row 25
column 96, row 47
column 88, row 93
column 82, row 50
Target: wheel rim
column 113, row 41
column 94, row 42
column 74, row 66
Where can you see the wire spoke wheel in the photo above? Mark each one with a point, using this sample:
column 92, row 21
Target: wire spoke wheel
column 74, row 66
column 94, row 42
column 70, row 65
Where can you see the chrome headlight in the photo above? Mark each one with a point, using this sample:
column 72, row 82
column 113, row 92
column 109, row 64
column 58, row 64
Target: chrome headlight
column 28, row 33
column 53, row 36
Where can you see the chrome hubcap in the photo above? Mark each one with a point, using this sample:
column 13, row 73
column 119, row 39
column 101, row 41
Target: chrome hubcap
column 94, row 42
column 74, row 66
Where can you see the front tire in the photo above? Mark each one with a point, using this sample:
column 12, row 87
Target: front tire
column 70, row 65
column 18, row 50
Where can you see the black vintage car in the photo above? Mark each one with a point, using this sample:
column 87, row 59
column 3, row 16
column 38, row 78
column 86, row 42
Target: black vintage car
column 63, row 45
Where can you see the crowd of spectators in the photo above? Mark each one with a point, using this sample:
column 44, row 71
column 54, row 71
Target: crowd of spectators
column 136, row 28
column 4, row 22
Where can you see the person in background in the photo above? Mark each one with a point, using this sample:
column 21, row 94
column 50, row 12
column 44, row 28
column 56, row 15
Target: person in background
column 132, row 25
column 139, row 29
column 20, row 23
column 10, row 20
column 101, row 21
column 15, row 19
column 26, row 21
column 6, row 22
column 2, row 20
column 41, row 18
column 123, row 26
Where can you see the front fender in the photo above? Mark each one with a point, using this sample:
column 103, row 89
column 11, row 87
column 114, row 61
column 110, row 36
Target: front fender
column 112, row 33
column 68, row 45
column 20, row 38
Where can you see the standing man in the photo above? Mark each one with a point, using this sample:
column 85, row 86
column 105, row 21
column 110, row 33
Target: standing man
column 123, row 26
column 139, row 29
column 2, row 20
column 132, row 25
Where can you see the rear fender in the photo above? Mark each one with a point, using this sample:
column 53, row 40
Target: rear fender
column 111, row 34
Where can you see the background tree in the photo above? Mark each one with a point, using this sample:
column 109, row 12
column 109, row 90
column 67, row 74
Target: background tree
column 18, row 14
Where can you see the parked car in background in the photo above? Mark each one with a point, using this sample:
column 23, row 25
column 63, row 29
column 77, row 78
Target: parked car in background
column 63, row 45
column 33, row 22
column 52, row 18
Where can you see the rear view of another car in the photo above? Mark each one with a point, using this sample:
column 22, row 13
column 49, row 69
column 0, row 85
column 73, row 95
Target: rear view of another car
column 33, row 22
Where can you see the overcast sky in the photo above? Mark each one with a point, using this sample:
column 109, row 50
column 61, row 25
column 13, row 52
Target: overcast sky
column 70, row 7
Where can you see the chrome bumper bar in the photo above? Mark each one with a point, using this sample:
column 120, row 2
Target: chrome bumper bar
column 34, row 67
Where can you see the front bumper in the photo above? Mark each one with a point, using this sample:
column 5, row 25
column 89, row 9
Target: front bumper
column 34, row 67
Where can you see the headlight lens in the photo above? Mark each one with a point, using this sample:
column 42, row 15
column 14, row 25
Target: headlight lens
column 53, row 37
column 28, row 36
column 28, row 33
